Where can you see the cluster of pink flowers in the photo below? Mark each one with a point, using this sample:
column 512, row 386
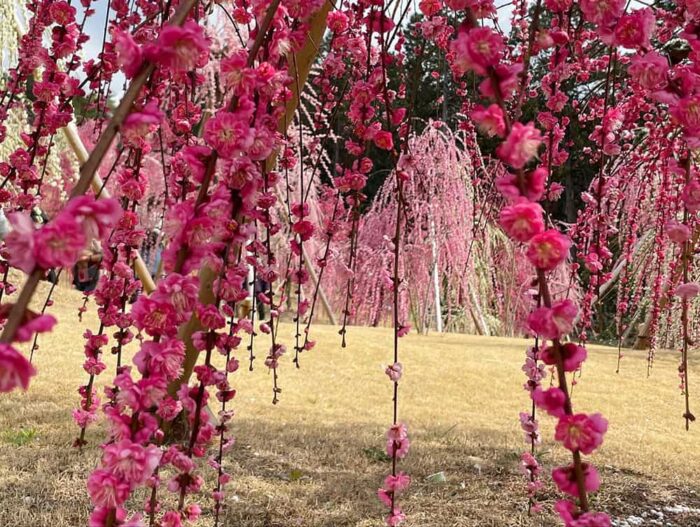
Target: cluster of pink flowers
column 532, row 470
column 15, row 369
column 57, row 244
column 113, row 291
column 139, row 408
column 534, row 372
column 52, row 93
column 145, row 399
column 397, row 445
column 663, row 92
column 617, row 28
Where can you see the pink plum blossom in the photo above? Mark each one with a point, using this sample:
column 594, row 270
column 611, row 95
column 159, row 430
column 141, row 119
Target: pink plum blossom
column 503, row 81
column 97, row 216
column 650, row 70
column 558, row 6
column 529, row 463
column 304, row 228
column 693, row 8
column 384, row 140
column 179, row 48
column 548, row 249
column 581, row 432
column 138, row 125
column 572, row 355
column 32, row 324
column 573, row 517
column 691, row 196
column 521, row 145
column 59, row 243
column 565, row 479
column 171, row 519
column 397, row 483
column 551, row 401
column 554, row 322
column 156, row 318
column 687, row 113
column 534, row 185
column 228, row 134
column 634, row 30
column 129, row 53
column 602, row 11
column 15, row 370
column 395, row 518
column 131, row 462
column 397, row 432
column 688, row 290
column 677, row 232
column 337, row 21
column 106, row 489
column 490, row 120
column 384, row 496
column 62, row 12
column 99, row 517
column 430, row 7
column 477, row 50
column 522, row 221
column 394, row 371
column 397, row 443
column 20, row 242
column 480, row 8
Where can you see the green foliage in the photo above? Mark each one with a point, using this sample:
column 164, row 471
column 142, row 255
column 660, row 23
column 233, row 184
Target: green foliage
column 431, row 91
column 438, row 478
column 376, row 454
column 295, row 474
column 19, row 437
column 84, row 107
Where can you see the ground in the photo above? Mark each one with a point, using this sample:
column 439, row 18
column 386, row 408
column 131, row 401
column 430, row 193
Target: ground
column 316, row 458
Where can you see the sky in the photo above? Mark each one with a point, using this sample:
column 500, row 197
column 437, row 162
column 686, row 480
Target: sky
column 94, row 28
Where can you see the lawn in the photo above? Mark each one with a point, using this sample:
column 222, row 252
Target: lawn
column 316, row 459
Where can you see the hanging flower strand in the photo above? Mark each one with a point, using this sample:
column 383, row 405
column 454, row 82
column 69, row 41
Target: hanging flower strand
column 535, row 372
column 686, row 290
column 398, row 442
column 482, row 50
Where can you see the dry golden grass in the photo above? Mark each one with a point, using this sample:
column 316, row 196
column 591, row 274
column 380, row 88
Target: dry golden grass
column 315, row 459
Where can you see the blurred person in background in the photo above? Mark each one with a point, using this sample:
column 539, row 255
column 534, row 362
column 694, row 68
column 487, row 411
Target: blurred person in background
column 86, row 271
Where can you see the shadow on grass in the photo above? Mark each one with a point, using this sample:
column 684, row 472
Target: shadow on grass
column 286, row 475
